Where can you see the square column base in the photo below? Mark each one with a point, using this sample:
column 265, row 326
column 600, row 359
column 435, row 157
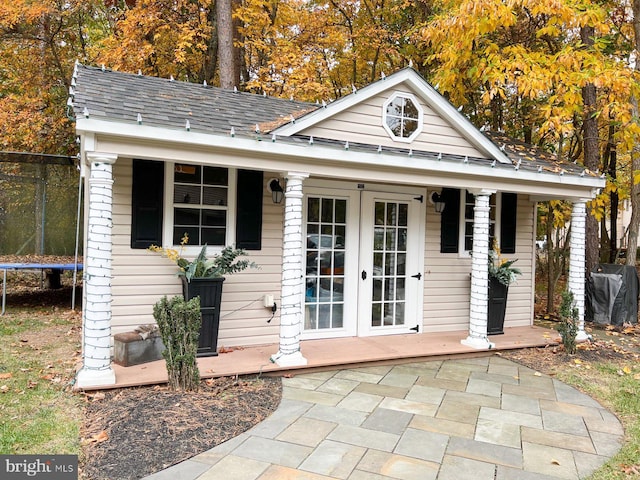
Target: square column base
column 290, row 360
column 478, row 343
column 95, row 378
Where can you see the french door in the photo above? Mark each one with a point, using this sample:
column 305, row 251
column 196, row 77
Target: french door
column 363, row 262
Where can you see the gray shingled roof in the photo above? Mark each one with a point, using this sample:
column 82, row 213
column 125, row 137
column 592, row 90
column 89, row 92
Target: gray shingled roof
column 119, row 96
column 111, row 95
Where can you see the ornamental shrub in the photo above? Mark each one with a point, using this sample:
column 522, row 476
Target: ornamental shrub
column 568, row 327
column 179, row 324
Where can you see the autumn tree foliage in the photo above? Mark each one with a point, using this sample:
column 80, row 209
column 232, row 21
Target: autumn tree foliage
column 554, row 73
column 39, row 42
column 163, row 38
column 321, row 50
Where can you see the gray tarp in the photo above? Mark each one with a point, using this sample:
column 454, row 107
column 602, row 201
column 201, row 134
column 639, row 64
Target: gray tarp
column 612, row 295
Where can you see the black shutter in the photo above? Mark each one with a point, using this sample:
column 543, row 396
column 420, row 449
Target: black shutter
column 508, row 213
column 450, row 220
column 146, row 203
column 249, row 210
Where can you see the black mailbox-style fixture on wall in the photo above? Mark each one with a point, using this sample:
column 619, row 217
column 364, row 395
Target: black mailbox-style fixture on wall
column 277, row 193
column 437, row 201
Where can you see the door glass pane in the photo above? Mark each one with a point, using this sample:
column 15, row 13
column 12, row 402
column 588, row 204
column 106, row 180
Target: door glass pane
column 402, row 239
column 377, row 289
column 402, row 264
column 310, row 317
column 378, row 238
column 403, row 214
column 379, row 213
column 376, row 315
column 325, row 251
column 391, row 239
column 327, row 210
column 340, row 236
column 400, row 289
column 377, row 264
column 313, row 210
column 399, row 318
column 341, row 211
column 390, row 264
column 392, row 218
column 388, row 314
column 337, row 315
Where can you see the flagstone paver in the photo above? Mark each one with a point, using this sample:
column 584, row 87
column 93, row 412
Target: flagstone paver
column 468, row 418
column 398, row 466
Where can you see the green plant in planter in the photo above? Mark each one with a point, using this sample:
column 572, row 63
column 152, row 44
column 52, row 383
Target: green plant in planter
column 502, row 269
column 568, row 328
column 179, row 324
column 224, row 263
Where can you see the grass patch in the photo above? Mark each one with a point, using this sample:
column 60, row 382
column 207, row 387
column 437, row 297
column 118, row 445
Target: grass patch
column 38, row 412
column 616, row 385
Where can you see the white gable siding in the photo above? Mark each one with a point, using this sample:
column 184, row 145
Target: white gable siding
column 448, row 282
column 363, row 124
column 141, row 277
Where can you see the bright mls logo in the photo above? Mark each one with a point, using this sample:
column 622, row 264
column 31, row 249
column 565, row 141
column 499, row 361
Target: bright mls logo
column 45, row 467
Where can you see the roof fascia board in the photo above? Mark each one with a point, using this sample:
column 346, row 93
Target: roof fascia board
column 425, row 91
column 304, row 152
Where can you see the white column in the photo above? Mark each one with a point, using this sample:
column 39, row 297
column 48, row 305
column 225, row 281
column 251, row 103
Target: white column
column 291, row 314
column 96, row 316
column 577, row 268
column 479, row 305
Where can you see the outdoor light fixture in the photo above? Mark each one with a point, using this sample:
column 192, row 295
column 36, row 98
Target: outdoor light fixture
column 277, row 193
column 437, row 201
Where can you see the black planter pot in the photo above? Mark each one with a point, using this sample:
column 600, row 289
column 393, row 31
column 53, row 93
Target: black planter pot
column 497, row 307
column 210, row 292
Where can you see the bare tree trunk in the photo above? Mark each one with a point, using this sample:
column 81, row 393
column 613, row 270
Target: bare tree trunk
column 608, row 239
column 229, row 77
column 238, row 57
column 632, row 245
column 591, row 153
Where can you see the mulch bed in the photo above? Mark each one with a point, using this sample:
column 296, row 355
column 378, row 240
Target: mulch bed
column 131, row 433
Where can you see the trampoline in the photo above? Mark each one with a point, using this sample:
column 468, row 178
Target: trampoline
column 56, row 269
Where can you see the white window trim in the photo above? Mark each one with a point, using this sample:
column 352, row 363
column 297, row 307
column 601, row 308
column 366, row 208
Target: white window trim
column 462, row 223
column 418, row 131
column 167, row 234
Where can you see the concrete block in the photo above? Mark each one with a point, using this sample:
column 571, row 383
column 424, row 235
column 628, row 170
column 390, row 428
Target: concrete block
column 130, row 348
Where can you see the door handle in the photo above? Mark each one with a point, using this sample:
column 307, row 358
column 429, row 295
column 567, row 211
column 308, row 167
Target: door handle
column 417, row 275
column 364, row 275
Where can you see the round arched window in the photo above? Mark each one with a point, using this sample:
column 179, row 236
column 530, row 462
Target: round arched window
column 402, row 117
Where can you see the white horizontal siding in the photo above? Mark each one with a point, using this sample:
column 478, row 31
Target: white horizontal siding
column 141, row 277
column 448, row 282
column 363, row 124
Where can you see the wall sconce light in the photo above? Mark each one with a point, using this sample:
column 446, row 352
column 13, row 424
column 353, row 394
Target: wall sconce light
column 277, row 193
column 437, row 201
